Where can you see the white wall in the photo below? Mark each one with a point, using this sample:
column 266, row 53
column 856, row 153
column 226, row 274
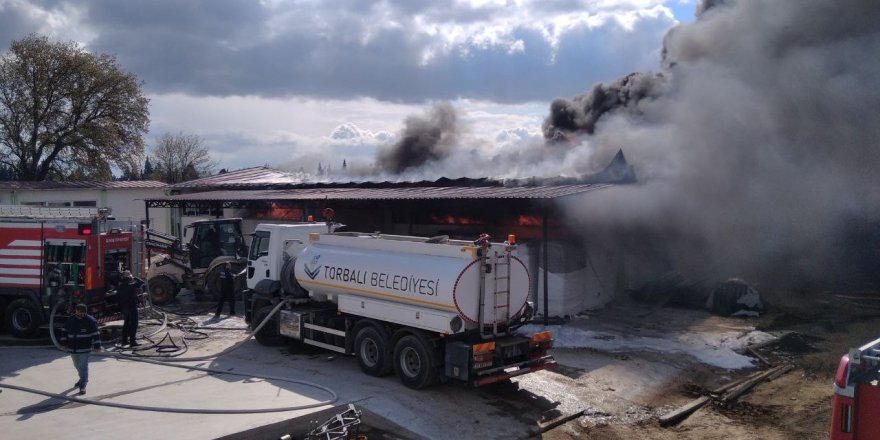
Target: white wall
column 587, row 286
column 125, row 203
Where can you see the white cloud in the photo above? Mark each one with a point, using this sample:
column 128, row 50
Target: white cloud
column 276, row 80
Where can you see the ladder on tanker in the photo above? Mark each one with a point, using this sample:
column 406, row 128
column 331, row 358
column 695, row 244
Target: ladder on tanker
column 38, row 212
column 499, row 296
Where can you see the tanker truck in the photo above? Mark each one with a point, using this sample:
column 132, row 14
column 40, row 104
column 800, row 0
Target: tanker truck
column 428, row 309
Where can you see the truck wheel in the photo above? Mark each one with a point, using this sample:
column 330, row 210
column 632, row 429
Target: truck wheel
column 268, row 335
column 23, row 318
column 372, row 351
column 162, row 290
column 415, row 362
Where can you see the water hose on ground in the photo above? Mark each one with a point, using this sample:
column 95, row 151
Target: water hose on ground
column 168, row 363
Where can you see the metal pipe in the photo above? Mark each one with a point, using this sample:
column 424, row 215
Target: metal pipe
column 546, row 270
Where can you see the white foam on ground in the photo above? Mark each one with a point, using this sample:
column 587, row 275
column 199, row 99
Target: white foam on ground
column 712, row 348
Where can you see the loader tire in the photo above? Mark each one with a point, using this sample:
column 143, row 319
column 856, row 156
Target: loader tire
column 162, row 290
column 212, row 282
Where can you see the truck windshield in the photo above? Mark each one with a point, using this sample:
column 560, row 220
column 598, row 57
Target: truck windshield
column 260, row 245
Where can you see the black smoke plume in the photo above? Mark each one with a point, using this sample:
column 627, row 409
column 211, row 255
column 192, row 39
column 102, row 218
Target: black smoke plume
column 579, row 116
column 423, row 140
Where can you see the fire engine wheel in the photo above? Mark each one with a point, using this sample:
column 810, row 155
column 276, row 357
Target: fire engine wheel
column 23, row 318
column 373, row 351
column 162, row 290
column 415, row 362
column 268, row 335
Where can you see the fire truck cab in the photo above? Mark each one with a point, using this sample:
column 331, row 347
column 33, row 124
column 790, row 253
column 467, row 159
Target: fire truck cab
column 856, row 406
column 67, row 255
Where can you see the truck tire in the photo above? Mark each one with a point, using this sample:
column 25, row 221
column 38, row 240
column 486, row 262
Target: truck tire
column 415, row 361
column 23, row 318
column 372, row 348
column 162, row 290
column 268, row 335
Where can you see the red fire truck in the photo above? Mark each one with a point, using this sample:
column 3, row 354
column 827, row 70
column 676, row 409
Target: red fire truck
column 856, row 411
column 72, row 255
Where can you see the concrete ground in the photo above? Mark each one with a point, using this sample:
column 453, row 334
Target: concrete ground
column 434, row 413
column 115, row 380
column 614, row 389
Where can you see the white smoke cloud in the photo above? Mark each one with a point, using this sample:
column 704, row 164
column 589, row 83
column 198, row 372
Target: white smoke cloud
column 758, row 159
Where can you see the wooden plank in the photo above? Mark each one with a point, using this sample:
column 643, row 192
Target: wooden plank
column 683, row 412
column 754, row 352
column 734, row 383
column 544, row 427
column 780, row 372
column 747, row 385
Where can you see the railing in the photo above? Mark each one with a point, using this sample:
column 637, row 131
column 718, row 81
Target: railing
column 38, row 212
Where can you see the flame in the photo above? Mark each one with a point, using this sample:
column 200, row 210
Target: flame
column 529, row 220
column 449, row 219
column 276, row 212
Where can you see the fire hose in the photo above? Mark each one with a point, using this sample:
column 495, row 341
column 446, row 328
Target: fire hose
column 169, row 363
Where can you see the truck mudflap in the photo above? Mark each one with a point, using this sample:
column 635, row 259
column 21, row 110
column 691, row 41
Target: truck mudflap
column 493, row 361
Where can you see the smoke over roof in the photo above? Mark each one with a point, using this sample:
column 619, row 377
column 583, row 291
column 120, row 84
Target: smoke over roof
column 759, row 143
column 424, row 139
column 581, row 113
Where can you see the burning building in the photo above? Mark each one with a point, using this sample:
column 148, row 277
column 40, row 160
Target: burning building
column 568, row 276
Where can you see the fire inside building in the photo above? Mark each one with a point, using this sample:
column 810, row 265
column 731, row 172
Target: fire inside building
column 568, row 275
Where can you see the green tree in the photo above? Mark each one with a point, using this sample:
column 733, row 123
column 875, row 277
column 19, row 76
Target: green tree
column 148, row 170
column 66, row 113
column 181, row 157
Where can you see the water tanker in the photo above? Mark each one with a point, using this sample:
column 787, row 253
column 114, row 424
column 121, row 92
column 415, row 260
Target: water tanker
column 426, row 308
column 443, row 275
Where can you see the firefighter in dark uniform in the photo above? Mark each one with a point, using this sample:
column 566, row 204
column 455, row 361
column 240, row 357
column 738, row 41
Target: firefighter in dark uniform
column 128, row 292
column 227, row 290
column 83, row 338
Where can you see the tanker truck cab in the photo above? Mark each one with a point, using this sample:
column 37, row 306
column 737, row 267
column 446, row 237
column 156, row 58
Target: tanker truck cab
column 428, row 309
column 273, row 246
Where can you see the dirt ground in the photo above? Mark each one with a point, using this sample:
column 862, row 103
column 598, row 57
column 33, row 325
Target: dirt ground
column 796, row 405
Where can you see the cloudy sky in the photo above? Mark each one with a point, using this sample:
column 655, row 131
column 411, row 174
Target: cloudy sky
column 294, row 83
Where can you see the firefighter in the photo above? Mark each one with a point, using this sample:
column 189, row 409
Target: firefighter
column 128, row 292
column 227, row 290
column 83, row 338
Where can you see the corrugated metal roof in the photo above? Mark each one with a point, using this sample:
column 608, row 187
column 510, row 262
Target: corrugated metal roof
column 248, row 177
column 405, row 193
column 84, row 184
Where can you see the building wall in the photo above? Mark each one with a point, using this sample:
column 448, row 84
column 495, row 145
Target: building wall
column 580, row 276
column 125, row 203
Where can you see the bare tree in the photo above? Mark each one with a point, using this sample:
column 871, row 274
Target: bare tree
column 68, row 114
column 181, row 157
